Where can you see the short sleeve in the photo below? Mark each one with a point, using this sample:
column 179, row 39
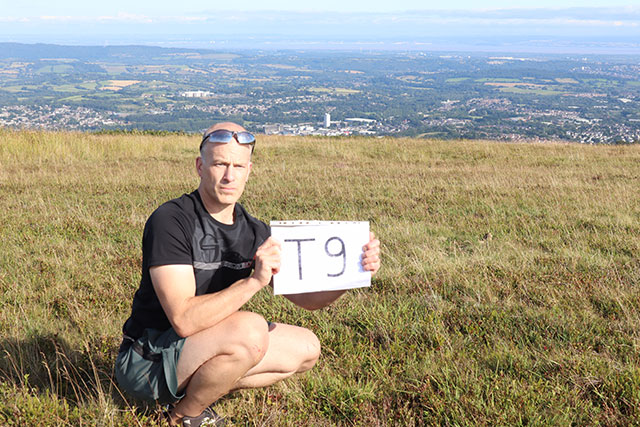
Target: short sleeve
column 166, row 238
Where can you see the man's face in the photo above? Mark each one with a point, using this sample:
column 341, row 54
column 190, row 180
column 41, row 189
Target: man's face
column 224, row 170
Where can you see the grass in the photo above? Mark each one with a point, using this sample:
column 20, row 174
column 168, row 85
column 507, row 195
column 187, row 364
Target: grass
column 508, row 293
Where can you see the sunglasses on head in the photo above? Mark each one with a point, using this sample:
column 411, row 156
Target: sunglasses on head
column 224, row 136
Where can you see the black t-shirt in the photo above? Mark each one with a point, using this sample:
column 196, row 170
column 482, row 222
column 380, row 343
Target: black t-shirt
column 181, row 231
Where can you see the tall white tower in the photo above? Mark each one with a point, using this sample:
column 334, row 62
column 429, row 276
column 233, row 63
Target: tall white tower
column 327, row 120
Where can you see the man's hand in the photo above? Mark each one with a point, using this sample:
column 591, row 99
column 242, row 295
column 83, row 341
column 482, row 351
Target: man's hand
column 189, row 314
column 317, row 300
column 267, row 261
column 371, row 254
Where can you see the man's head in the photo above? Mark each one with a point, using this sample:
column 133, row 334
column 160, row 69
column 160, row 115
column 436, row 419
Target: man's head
column 224, row 165
column 225, row 132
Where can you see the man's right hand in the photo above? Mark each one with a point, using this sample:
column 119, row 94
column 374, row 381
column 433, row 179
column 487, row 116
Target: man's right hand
column 189, row 314
column 267, row 261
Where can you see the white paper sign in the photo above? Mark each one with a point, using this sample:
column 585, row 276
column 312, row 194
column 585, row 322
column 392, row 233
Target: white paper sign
column 320, row 256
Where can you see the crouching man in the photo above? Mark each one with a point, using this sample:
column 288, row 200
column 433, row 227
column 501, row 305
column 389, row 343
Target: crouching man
column 187, row 343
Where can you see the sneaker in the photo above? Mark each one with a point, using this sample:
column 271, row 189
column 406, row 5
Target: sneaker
column 207, row 418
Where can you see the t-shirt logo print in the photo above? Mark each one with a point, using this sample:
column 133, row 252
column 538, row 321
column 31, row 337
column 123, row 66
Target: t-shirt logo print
column 207, row 249
column 210, row 248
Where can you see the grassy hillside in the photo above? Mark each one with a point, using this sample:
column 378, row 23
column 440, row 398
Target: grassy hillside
column 508, row 294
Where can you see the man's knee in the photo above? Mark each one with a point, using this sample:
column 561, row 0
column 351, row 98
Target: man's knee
column 251, row 333
column 312, row 351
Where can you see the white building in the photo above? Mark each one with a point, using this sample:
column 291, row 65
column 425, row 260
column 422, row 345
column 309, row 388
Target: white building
column 359, row 120
column 196, row 94
column 327, row 120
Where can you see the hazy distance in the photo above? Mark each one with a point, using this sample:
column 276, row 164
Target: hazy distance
column 549, row 27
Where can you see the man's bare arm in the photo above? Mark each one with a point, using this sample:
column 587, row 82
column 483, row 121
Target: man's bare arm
column 175, row 286
column 317, row 300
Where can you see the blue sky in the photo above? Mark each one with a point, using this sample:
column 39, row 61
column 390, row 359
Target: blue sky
column 34, row 8
column 151, row 21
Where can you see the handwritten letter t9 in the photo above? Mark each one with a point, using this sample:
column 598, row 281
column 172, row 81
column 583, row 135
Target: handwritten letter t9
column 320, row 256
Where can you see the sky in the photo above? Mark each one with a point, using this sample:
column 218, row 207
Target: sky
column 31, row 8
column 201, row 23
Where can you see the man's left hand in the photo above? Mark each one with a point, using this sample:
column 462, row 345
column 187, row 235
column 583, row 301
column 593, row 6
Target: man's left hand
column 371, row 254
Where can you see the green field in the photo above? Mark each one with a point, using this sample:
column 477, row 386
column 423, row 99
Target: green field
column 18, row 88
column 602, row 83
column 508, row 293
column 69, row 88
column 60, row 68
column 333, row 90
column 532, row 91
column 497, row 80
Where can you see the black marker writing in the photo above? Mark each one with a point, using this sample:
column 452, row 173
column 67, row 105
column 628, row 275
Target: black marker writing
column 341, row 253
column 299, row 252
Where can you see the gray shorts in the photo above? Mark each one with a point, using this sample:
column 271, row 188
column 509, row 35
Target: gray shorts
column 146, row 368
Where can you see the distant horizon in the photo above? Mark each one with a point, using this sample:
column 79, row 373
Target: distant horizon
column 551, row 27
column 488, row 45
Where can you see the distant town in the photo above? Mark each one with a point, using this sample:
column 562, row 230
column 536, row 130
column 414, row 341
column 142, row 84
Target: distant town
column 346, row 127
column 593, row 100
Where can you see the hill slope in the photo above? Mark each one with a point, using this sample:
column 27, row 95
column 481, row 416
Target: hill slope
column 508, row 293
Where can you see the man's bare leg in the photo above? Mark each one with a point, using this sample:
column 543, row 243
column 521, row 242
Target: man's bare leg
column 292, row 350
column 239, row 352
column 213, row 360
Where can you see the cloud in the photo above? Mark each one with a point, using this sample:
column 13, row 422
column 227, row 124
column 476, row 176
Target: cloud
column 419, row 25
column 577, row 13
column 12, row 19
column 573, row 15
column 603, row 16
column 190, row 18
column 125, row 17
column 419, row 21
column 63, row 19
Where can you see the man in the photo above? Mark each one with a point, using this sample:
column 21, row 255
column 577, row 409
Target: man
column 187, row 342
